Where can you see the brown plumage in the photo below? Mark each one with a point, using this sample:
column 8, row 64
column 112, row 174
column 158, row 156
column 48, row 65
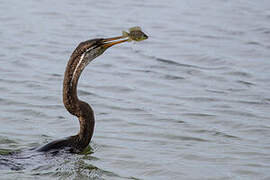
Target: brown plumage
column 82, row 55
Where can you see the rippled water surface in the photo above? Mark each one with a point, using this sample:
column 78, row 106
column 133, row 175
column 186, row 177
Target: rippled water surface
column 191, row 102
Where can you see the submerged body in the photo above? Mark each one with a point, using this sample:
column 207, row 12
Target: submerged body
column 80, row 58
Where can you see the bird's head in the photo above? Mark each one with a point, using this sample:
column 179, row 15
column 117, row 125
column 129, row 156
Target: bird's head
column 100, row 45
column 91, row 49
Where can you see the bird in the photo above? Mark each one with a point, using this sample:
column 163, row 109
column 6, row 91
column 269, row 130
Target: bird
column 84, row 53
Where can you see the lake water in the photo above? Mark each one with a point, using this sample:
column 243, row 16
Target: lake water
column 191, row 102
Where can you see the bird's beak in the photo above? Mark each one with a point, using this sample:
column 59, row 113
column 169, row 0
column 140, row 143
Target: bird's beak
column 108, row 42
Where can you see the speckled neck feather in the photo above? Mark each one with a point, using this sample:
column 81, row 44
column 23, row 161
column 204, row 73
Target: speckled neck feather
column 82, row 55
column 75, row 106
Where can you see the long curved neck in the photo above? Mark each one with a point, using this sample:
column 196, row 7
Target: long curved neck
column 71, row 78
column 71, row 101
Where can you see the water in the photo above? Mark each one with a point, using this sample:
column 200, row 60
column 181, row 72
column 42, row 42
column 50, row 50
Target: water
column 191, row 102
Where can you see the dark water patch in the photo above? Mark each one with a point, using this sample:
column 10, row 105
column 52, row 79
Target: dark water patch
column 7, row 19
column 172, row 137
column 114, row 88
column 214, row 77
column 215, row 37
column 4, row 140
column 187, row 138
column 235, row 89
column 209, row 61
column 31, row 112
column 250, row 154
column 253, row 43
column 247, row 173
column 249, row 84
column 48, row 13
column 262, row 130
column 5, row 152
column 238, row 113
column 171, row 62
column 226, row 135
column 62, row 165
column 80, row 170
column 36, row 85
column 165, row 120
column 201, row 99
column 204, row 158
column 198, row 115
column 147, row 71
column 215, row 133
column 49, row 106
column 254, row 165
column 53, row 76
column 266, row 100
column 61, row 117
column 85, row 93
column 149, row 85
column 35, row 55
column 227, row 31
column 263, row 30
column 216, row 91
column 172, row 77
column 26, row 83
column 121, row 74
column 7, row 164
column 10, row 102
column 258, row 102
column 238, row 74
column 198, row 67
column 106, row 65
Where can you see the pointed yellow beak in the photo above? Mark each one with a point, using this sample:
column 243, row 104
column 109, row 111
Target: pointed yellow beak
column 108, row 42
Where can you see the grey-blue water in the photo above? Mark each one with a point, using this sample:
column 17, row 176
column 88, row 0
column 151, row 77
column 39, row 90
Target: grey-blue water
column 191, row 102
